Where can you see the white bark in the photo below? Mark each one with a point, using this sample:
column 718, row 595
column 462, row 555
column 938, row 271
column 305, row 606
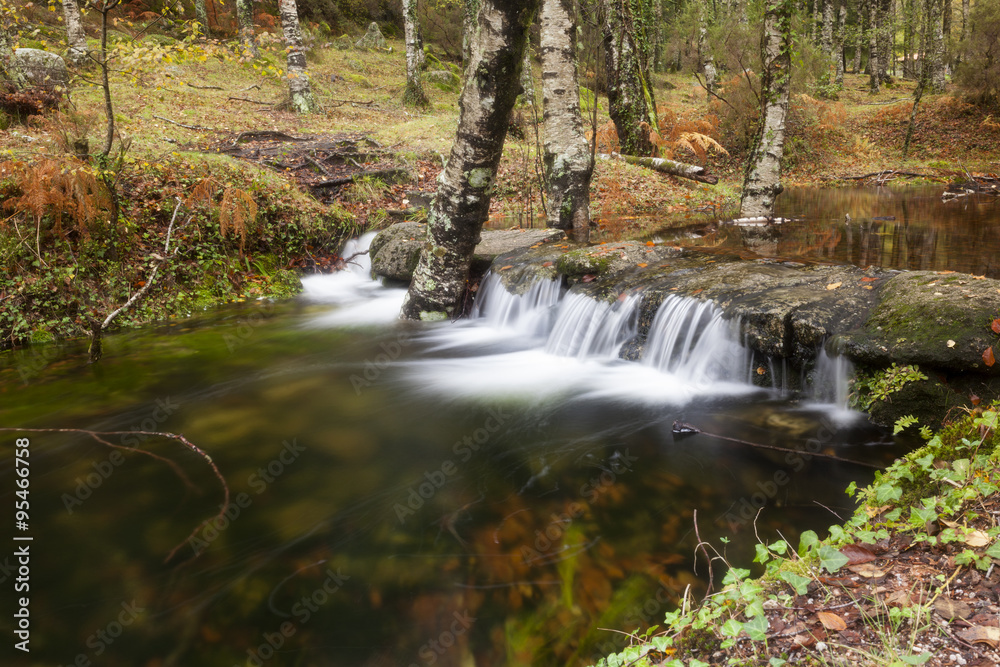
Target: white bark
column 413, row 94
column 201, row 15
column 244, row 15
column 299, row 90
column 762, row 183
column 826, row 35
column 874, row 81
column 936, row 51
column 567, row 158
column 839, row 53
column 470, row 21
column 75, row 37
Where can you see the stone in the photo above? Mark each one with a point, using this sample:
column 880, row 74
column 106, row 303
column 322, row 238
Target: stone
column 41, row 68
column 372, row 39
column 396, row 249
column 443, row 79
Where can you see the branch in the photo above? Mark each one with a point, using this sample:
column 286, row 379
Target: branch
column 247, row 99
column 204, row 87
column 190, row 127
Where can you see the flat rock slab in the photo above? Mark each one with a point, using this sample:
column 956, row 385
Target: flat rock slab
column 41, row 68
column 396, row 249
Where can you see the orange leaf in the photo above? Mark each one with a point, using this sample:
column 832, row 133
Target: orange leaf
column 975, row 400
column 835, row 285
column 996, row 326
column 650, row 243
column 988, row 357
column 509, row 266
column 642, row 265
column 868, row 279
column 831, row 621
column 943, row 273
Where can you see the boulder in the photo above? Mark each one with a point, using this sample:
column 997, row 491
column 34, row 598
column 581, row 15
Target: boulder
column 372, row 39
column 41, row 68
column 396, row 249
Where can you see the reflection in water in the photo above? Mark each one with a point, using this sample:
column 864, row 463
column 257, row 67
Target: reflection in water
column 907, row 228
column 451, row 494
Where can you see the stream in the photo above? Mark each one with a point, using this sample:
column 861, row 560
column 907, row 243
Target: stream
column 488, row 492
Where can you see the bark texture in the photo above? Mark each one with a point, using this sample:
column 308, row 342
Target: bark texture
column 826, row 35
column 470, row 20
column 839, row 55
column 935, row 53
column 762, row 182
column 885, row 38
column 413, row 94
column 75, row 37
column 201, row 14
column 244, row 15
column 630, row 96
column 462, row 203
column 672, row 167
column 567, row 156
column 874, row 80
column 300, row 94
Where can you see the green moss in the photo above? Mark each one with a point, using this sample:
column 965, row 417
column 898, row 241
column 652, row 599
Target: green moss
column 581, row 262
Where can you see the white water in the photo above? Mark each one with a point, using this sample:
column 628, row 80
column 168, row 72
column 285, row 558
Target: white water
column 548, row 343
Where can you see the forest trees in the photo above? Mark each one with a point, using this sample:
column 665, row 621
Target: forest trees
column 244, row 18
column 300, row 93
column 75, row 37
column 762, row 182
column 631, row 103
column 465, row 186
column 567, row 157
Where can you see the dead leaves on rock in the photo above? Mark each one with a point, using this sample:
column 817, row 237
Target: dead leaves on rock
column 980, row 634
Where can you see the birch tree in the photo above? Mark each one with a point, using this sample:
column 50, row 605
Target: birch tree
column 935, row 50
column 567, row 155
column 874, row 80
column 244, row 17
column 470, row 19
column 630, row 96
column 762, row 182
column 462, row 203
column 413, row 94
column 839, row 55
column 300, row 93
column 75, row 37
column 201, row 15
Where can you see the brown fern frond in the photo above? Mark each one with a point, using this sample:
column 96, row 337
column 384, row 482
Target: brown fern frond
column 237, row 212
column 203, row 193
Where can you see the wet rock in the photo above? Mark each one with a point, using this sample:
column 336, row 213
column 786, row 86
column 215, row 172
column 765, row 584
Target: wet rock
column 41, row 68
column 372, row 39
column 396, row 250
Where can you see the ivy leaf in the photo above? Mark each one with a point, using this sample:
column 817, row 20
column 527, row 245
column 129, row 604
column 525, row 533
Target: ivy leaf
column 756, row 628
column 798, row 582
column 831, row 559
column 806, row 541
column 732, row 628
column 994, row 550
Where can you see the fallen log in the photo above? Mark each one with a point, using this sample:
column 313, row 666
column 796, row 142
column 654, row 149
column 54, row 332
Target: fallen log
column 672, row 167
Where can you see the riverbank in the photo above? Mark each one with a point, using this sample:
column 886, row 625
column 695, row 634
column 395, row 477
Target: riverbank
column 910, row 579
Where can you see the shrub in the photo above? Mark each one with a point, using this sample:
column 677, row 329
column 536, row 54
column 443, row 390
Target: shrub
column 979, row 72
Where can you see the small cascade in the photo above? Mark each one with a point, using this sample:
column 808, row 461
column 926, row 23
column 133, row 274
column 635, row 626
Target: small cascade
column 355, row 252
column 831, row 378
column 691, row 339
column 529, row 312
column 589, row 328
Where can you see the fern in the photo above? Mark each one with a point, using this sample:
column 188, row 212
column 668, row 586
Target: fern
column 903, row 423
column 237, row 211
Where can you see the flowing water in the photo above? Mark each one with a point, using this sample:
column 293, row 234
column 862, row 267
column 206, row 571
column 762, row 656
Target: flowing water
column 487, row 492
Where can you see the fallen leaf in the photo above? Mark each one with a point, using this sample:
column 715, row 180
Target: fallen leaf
column 977, row 538
column 589, row 278
column 867, row 287
column 834, row 285
column 622, row 296
column 868, row 279
column 996, row 326
column 952, row 608
column 509, row 266
column 981, row 634
column 944, row 273
column 760, row 370
column 988, row 358
column 650, row 243
column 642, row 265
column 951, row 343
column 975, row 400
column 831, row 621
column 547, row 264
column 867, row 570
column 979, row 277
column 857, row 553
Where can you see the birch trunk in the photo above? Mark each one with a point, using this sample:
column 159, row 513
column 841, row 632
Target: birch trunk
column 885, row 38
column 839, row 54
column 413, row 94
column 826, row 37
column 874, row 81
column 859, row 46
column 567, row 156
column 762, row 183
column 527, row 78
column 672, row 167
column 462, row 203
column 75, row 37
column 630, row 96
column 301, row 99
column 936, row 50
column 244, row 15
column 470, row 21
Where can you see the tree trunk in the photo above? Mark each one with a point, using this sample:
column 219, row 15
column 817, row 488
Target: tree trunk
column 244, row 14
column 201, row 14
column 936, row 50
column 663, row 165
column 839, row 54
column 75, row 37
column 826, row 38
column 462, row 203
column 300, row 94
column 413, row 94
column 567, row 156
column 707, row 61
column 762, row 183
column 527, row 76
column 859, row 46
column 630, row 96
column 874, row 81
column 469, row 23
column 885, row 38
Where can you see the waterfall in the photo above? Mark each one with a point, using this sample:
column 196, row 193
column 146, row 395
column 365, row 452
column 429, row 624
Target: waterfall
column 831, row 378
column 529, row 312
column 589, row 328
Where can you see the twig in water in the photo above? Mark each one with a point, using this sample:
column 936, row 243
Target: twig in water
column 174, row 436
